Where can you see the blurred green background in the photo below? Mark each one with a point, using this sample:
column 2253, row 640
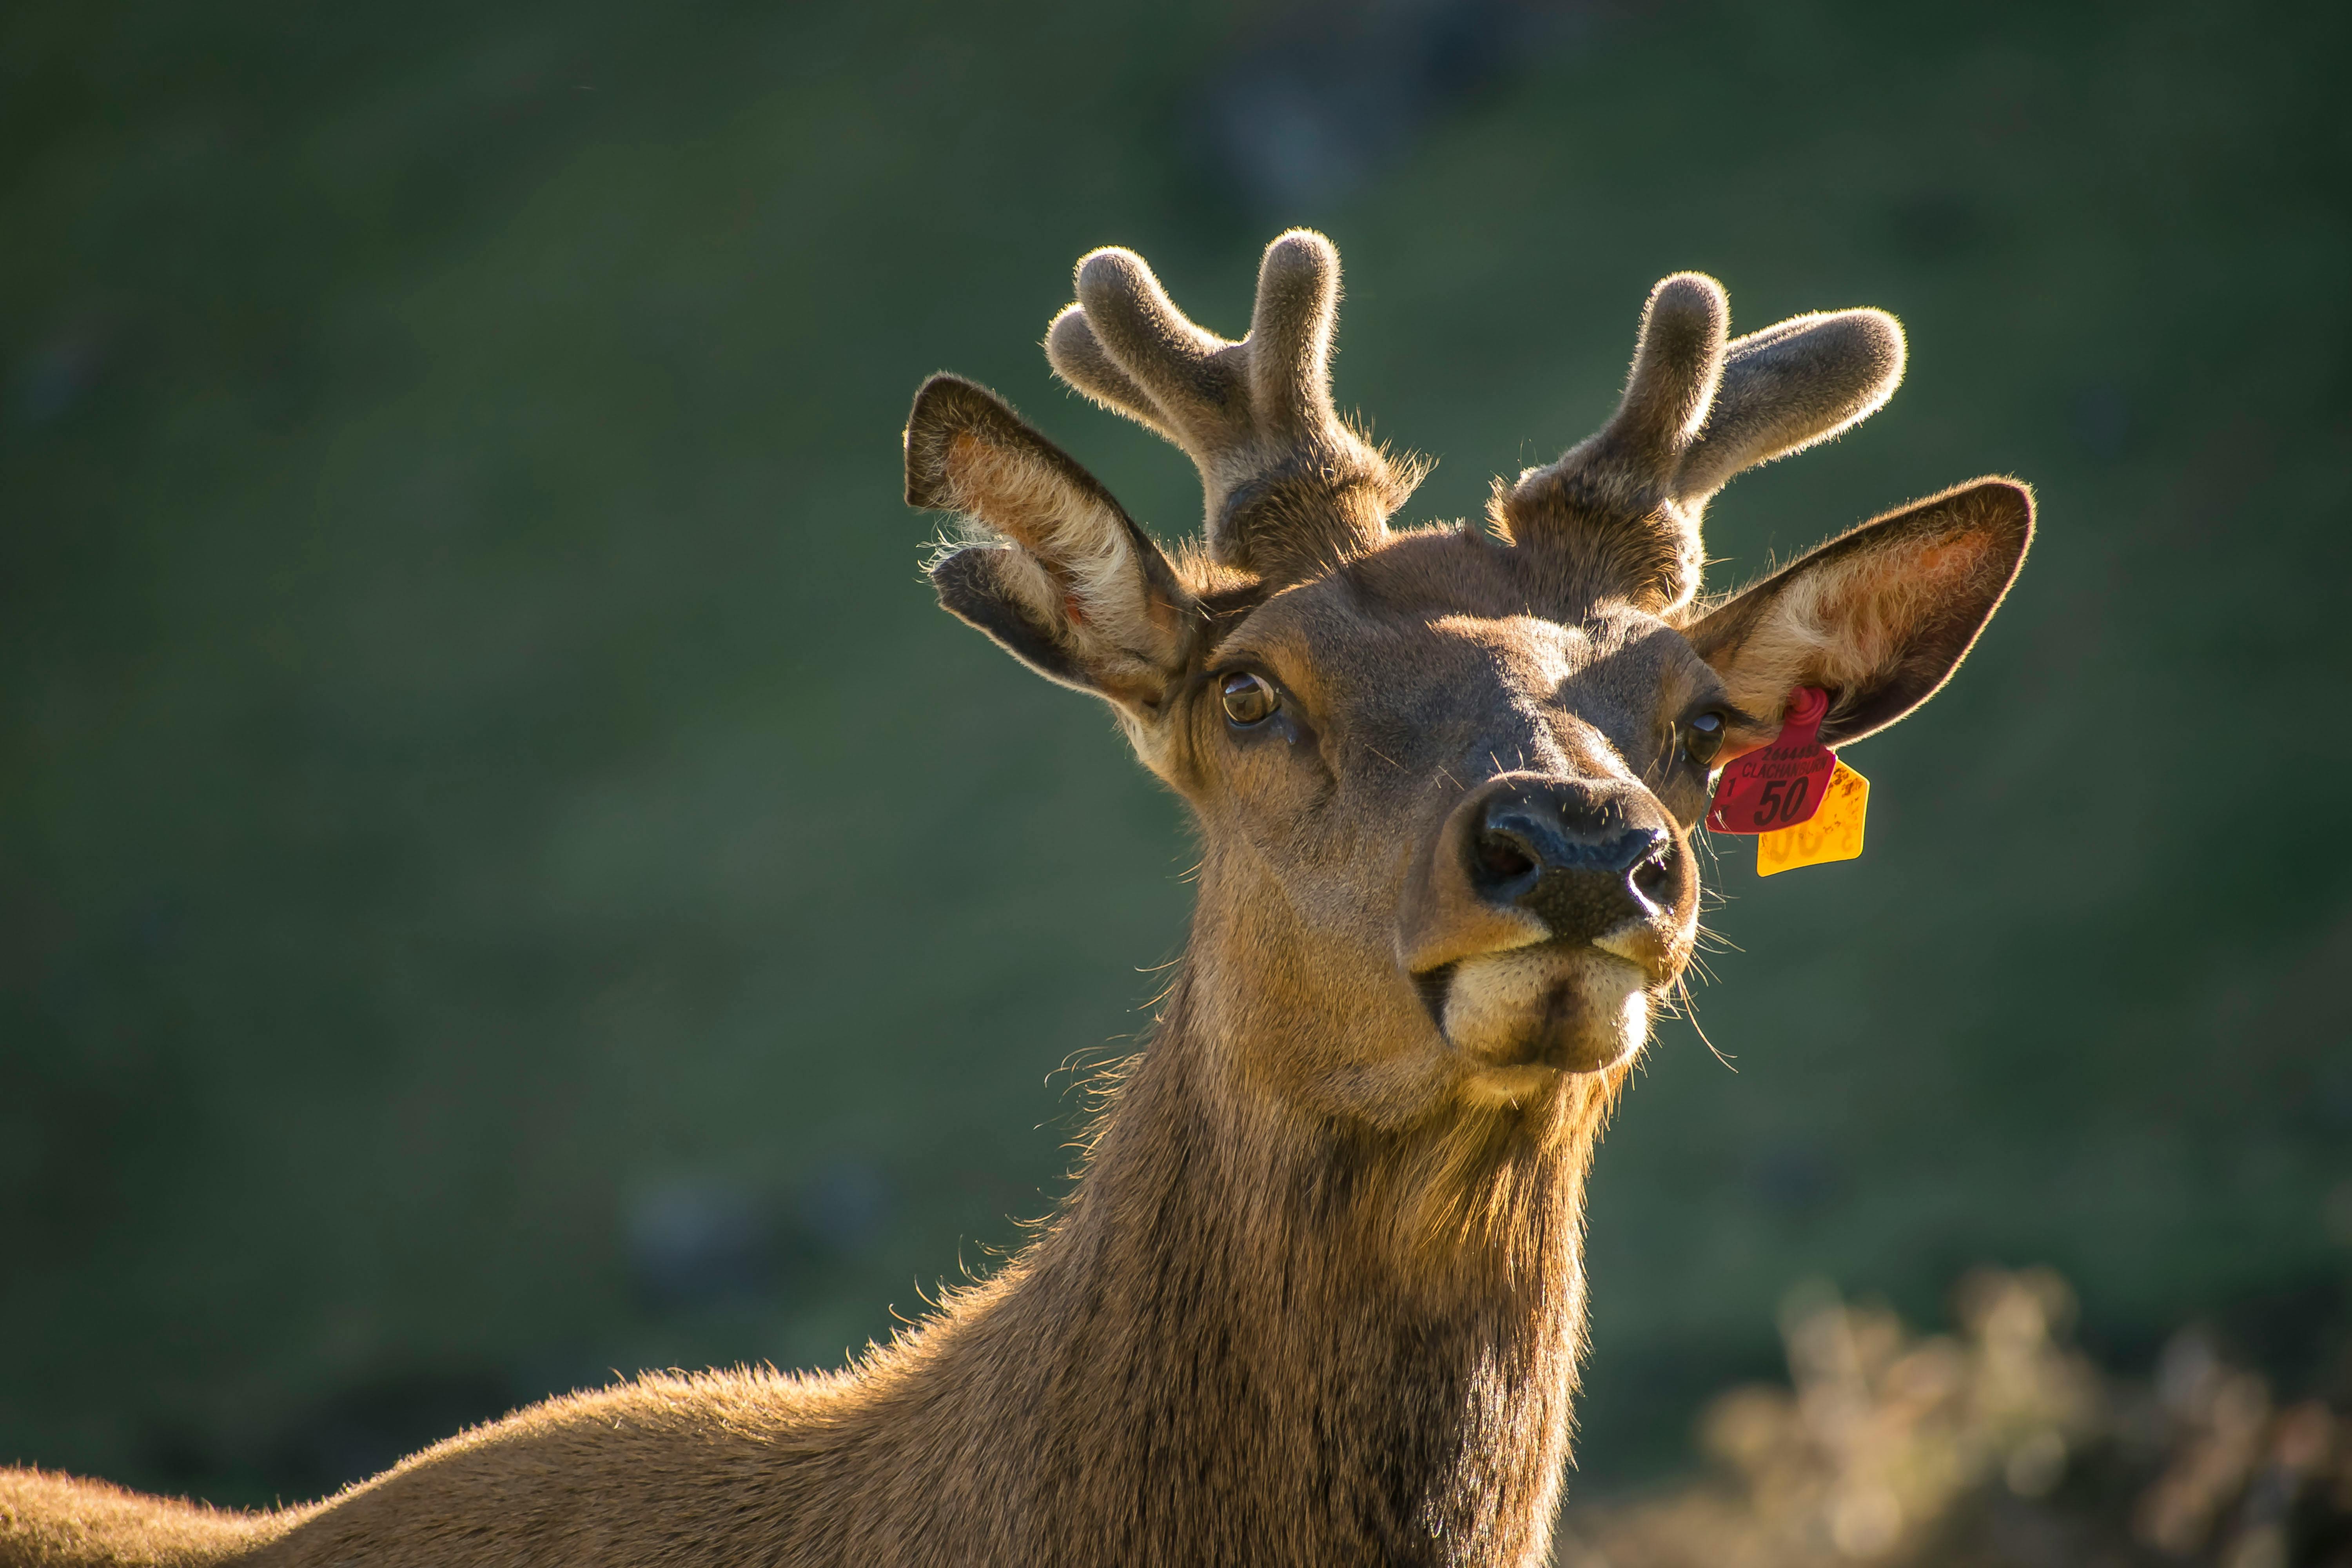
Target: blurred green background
column 505, row 875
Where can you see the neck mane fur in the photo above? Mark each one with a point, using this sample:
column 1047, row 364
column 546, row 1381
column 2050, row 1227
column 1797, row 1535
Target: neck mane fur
column 1254, row 1337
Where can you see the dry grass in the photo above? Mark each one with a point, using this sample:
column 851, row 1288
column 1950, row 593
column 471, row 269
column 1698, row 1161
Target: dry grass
column 2002, row 1445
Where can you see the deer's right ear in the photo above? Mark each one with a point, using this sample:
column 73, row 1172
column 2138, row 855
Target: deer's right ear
column 1059, row 575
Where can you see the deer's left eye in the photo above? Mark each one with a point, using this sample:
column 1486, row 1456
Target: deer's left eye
column 1703, row 737
column 1249, row 699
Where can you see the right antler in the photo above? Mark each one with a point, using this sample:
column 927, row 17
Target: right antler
column 1625, row 505
column 1288, row 485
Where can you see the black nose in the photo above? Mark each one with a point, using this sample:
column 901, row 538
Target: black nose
column 1581, row 862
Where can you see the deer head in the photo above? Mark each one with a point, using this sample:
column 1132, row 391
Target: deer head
column 1445, row 777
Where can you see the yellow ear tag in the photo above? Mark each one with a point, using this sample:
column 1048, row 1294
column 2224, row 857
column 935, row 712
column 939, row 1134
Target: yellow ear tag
column 1833, row 833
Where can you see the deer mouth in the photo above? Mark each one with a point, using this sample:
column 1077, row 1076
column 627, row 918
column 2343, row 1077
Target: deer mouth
column 1518, row 1018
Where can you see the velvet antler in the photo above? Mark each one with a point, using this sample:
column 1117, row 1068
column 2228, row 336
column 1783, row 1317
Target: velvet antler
column 1288, row 485
column 1625, row 505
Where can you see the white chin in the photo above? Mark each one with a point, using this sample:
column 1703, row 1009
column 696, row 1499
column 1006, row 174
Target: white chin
column 1532, row 1012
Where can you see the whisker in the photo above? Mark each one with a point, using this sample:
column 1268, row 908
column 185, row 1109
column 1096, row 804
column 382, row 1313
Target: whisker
column 1691, row 1013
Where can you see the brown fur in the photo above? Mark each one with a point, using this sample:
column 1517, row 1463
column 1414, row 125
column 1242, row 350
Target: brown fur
column 1317, row 1296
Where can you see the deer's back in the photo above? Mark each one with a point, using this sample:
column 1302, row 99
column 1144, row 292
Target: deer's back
column 59, row 1521
column 667, row 1471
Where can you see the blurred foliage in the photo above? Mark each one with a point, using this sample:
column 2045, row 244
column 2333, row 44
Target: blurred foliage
column 2000, row 1447
column 504, row 874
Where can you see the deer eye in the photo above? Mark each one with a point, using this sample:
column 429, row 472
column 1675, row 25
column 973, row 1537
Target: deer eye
column 1703, row 737
column 1248, row 698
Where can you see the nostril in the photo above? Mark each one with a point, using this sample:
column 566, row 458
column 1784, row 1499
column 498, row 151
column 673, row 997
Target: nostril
column 1653, row 877
column 1502, row 859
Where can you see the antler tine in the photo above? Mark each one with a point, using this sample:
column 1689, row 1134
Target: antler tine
column 1677, row 365
column 1626, row 503
column 1255, row 416
column 1290, row 336
column 1139, row 332
column 1790, row 386
column 1079, row 357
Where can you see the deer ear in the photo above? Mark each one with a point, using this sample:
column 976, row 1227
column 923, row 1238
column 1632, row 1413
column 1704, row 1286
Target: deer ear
column 1879, row 617
column 1060, row 576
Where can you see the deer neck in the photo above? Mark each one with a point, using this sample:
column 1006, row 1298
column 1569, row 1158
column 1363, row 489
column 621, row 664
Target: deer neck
column 1259, row 1335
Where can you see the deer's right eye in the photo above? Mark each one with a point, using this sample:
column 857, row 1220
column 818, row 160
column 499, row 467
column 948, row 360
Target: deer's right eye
column 1249, row 699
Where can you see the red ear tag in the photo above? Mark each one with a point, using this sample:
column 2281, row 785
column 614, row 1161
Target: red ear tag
column 1785, row 781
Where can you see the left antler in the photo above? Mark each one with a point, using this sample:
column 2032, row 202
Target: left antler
column 1288, row 485
column 1625, row 505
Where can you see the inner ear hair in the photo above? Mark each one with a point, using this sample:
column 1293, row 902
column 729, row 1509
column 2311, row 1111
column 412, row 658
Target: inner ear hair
column 968, row 451
column 1060, row 575
column 1879, row 617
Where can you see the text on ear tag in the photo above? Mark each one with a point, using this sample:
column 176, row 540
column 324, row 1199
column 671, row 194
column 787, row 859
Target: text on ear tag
column 1783, row 784
column 1833, row 833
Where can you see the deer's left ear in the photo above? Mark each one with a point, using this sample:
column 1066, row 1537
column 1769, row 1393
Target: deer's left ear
column 1061, row 577
column 1879, row 617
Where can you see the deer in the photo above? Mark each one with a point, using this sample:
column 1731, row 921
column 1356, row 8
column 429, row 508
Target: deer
column 1316, row 1295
